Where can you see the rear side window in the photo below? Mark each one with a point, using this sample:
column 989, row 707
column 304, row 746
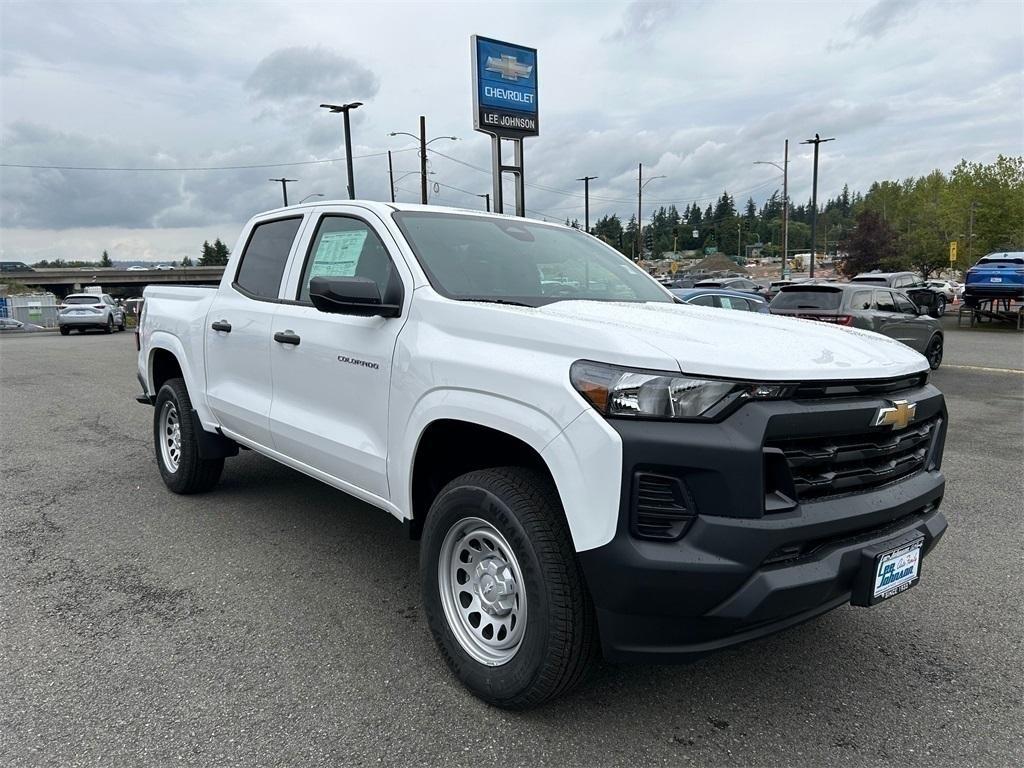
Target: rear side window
column 861, row 300
column 808, row 298
column 265, row 256
column 884, row 301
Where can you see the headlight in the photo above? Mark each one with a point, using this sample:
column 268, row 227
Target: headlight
column 616, row 391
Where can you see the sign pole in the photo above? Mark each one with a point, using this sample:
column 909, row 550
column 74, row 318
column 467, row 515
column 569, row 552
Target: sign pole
column 520, row 179
column 499, row 200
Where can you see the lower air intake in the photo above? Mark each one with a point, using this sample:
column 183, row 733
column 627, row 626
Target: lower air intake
column 661, row 508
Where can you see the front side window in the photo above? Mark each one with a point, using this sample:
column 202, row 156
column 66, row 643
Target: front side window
column 347, row 247
column 732, row 302
column 906, row 306
column 265, row 256
column 884, row 301
column 485, row 258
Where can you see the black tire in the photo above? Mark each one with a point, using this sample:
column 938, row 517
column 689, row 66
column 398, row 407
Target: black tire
column 192, row 474
column 64, row 330
column 940, row 306
column 934, row 352
column 120, row 326
column 559, row 642
column 109, row 328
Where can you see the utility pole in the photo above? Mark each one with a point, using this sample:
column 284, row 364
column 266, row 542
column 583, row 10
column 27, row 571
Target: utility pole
column 391, row 176
column 785, row 210
column 816, row 141
column 423, row 159
column 639, row 206
column 344, row 109
column 487, row 197
column 586, row 201
column 284, row 187
column 739, row 241
column 970, row 233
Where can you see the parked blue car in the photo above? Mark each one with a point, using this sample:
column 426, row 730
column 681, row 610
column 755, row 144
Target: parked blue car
column 721, row 297
column 995, row 276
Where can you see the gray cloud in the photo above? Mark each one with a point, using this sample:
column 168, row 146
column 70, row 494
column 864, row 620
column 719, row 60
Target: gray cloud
column 642, row 18
column 878, row 20
column 311, row 73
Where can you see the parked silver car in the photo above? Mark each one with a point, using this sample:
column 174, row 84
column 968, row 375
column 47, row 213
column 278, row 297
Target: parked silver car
column 89, row 310
column 883, row 310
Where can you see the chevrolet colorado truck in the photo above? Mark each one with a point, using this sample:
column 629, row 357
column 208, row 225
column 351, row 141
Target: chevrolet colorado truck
column 591, row 466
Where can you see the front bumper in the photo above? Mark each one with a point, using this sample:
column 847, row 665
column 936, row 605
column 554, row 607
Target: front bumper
column 741, row 572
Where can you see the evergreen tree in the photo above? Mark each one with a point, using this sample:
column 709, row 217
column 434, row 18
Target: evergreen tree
column 105, row 260
column 186, row 261
column 221, row 253
column 207, row 257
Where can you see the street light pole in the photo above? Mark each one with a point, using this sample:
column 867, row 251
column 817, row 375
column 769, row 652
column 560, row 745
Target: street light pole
column 640, row 184
column 391, row 176
column 586, row 201
column 816, row 141
column 785, row 203
column 284, row 187
column 487, row 197
column 311, row 194
column 344, row 109
column 422, row 139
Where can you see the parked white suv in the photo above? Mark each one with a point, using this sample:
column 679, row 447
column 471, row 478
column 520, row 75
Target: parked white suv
column 592, row 467
column 89, row 310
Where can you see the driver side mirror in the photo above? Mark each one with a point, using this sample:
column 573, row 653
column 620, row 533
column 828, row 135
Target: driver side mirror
column 358, row 296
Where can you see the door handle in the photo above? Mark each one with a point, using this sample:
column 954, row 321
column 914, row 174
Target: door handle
column 221, row 325
column 286, row 337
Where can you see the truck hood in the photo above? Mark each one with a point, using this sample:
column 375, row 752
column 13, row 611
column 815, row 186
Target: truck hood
column 746, row 345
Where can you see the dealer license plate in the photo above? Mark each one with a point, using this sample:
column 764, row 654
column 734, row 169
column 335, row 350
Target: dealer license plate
column 995, row 279
column 897, row 570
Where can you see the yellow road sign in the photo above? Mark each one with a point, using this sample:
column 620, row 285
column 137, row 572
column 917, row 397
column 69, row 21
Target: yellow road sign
column 952, row 251
column 674, row 267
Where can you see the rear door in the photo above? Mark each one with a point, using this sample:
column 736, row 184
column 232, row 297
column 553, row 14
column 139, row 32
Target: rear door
column 239, row 329
column 888, row 319
column 332, row 379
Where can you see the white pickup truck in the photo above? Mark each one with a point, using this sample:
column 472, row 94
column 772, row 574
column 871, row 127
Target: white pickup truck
column 592, row 466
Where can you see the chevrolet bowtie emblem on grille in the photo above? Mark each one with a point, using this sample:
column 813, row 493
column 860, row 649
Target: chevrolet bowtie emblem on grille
column 508, row 67
column 899, row 416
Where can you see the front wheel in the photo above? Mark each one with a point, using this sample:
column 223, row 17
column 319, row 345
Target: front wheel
column 502, row 588
column 176, row 443
column 934, row 352
column 64, row 330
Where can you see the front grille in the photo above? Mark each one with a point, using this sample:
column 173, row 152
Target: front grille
column 815, row 390
column 836, row 464
column 661, row 509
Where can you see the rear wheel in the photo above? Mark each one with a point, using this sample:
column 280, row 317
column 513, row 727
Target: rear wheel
column 940, row 306
column 110, row 324
column 934, row 352
column 502, row 588
column 176, row 443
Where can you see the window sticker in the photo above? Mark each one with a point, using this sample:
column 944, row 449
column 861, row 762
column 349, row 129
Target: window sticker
column 337, row 254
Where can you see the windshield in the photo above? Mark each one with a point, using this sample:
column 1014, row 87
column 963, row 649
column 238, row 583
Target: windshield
column 808, row 298
column 82, row 300
column 1001, row 260
column 484, row 258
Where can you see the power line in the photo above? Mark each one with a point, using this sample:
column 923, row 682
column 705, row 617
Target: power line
column 197, row 168
column 569, row 193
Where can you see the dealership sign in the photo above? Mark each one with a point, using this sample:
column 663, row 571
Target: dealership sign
column 504, row 88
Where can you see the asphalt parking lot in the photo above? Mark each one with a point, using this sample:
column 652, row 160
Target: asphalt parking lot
column 276, row 621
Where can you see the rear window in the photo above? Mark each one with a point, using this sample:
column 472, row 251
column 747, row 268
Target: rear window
column 1002, row 260
column 871, row 280
column 82, row 300
column 808, row 298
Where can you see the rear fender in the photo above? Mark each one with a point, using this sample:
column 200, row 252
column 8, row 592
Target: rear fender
column 195, row 380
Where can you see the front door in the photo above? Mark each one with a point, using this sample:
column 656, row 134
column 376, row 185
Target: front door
column 238, row 332
column 332, row 372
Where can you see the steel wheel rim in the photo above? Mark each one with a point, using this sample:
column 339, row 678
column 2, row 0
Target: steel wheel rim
column 482, row 591
column 170, row 436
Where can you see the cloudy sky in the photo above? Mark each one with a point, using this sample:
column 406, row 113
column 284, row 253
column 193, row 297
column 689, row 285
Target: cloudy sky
column 696, row 91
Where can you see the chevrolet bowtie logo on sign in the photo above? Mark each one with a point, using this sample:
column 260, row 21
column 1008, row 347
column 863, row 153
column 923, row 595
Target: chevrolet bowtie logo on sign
column 508, row 67
column 898, row 416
